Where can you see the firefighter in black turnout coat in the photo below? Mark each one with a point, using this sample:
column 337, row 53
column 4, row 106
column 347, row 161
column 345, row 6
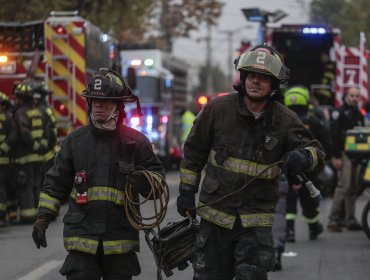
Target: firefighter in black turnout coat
column 91, row 169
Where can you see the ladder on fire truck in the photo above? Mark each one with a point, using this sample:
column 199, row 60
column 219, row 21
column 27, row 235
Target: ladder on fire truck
column 351, row 70
column 62, row 73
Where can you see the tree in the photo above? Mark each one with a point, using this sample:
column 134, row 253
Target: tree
column 129, row 20
column 350, row 16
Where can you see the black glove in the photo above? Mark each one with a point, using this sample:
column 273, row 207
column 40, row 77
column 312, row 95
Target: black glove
column 138, row 181
column 297, row 161
column 185, row 201
column 39, row 228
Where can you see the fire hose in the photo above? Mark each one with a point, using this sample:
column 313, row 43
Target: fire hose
column 172, row 246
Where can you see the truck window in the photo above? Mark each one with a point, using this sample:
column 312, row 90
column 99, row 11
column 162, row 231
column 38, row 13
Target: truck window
column 148, row 89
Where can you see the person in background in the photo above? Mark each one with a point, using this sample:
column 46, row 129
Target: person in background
column 297, row 98
column 91, row 169
column 344, row 118
column 7, row 130
column 28, row 151
column 237, row 136
column 39, row 94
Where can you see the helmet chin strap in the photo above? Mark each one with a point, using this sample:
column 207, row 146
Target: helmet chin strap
column 110, row 123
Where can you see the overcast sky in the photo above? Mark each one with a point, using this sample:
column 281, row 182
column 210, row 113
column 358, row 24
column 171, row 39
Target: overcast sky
column 232, row 18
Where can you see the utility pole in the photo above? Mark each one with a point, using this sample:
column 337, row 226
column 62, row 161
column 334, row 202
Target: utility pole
column 209, row 80
column 230, row 38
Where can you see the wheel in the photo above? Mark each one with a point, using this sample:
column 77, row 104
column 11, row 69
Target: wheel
column 366, row 219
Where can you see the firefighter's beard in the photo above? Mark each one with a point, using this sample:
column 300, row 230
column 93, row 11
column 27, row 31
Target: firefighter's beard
column 111, row 122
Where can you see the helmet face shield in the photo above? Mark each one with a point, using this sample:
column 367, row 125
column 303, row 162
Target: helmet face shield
column 262, row 62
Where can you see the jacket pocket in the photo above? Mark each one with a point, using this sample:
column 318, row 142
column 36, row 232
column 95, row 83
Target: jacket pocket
column 270, row 143
column 210, row 185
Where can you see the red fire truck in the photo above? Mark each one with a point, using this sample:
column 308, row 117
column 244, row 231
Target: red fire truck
column 60, row 50
column 317, row 59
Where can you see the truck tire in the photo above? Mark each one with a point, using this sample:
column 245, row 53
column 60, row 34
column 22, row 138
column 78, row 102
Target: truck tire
column 366, row 219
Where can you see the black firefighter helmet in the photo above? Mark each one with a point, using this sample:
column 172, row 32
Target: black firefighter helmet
column 108, row 84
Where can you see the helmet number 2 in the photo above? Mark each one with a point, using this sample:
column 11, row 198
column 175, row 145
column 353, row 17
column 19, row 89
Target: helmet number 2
column 261, row 57
column 97, row 84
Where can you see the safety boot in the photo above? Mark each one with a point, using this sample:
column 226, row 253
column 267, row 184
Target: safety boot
column 315, row 230
column 290, row 232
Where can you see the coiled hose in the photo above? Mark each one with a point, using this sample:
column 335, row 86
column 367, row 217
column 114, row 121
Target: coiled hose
column 159, row 193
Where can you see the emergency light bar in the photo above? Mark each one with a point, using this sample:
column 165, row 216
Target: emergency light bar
column 314, row 30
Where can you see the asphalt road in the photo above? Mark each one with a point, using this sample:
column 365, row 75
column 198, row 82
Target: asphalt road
column 339, row 256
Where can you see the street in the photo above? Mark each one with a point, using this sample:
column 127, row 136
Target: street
column 339, row 256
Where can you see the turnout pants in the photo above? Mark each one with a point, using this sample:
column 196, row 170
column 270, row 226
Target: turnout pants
column 222, row 254
column 84, row 266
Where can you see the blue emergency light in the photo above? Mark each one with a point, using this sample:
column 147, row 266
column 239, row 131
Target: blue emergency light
column 314, row 30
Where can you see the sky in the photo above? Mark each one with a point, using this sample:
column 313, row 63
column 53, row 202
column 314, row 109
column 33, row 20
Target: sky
column 193, row 50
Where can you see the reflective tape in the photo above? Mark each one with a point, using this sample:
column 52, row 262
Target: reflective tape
column 37, row 133
column 33, row 113
column 257, row 220
column 49, row 155
column 49, row 202
column 29, row 158
column 4, row 160
column 3, row 207
column 28, row 213
column 215, row 216
column 189, row 177
column 245, row 167
column 312, row 220
column 81, row 244
column 290, row 216
column 103, row 194
column 313, row 153
column 120, row 246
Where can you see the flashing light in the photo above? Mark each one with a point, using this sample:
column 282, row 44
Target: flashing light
column 164, row 119
column 222, row 93
column 148, row 62
column 3, row 58
column 135, row 121
column 202, row 100
column 104, row 37
column 168, row 83
column 136, row 62
column 60, row 29
column 111, row 51
column 314, row 30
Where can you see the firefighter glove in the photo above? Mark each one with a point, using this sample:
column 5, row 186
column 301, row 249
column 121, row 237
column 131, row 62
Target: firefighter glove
column 185, row 203
column 297, row 161
column 39, row 230
column 138, row 180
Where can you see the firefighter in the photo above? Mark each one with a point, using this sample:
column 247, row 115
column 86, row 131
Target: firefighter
column 28, row 151
column 39, row 93
column 90, row 170
column 344, row 118
column 297, row 98
column 6, row 139
column 237, row 136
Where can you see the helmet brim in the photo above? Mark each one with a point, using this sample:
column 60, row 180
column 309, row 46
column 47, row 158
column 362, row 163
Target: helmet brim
column 262, row 62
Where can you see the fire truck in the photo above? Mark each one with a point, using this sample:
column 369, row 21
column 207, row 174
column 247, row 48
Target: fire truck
column 317, row 59
column 162, row 86
column 60, row 51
